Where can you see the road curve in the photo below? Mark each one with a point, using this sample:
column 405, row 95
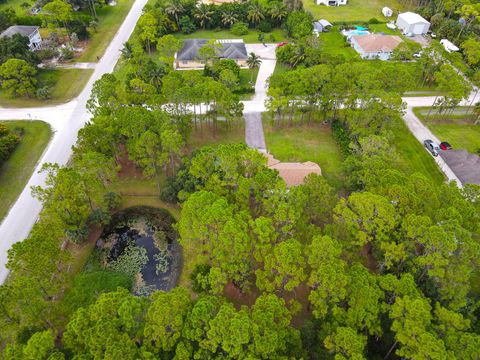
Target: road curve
column 65, row 120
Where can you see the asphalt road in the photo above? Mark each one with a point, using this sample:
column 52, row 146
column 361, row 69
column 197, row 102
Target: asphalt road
column 65, row 120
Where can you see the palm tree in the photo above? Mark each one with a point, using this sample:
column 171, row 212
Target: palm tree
column 175, row 8
column 298, row 56
column 127, row 51
column 253, row 62
column 203, row 14
column 229, row 18
column 255, row 13
column 278, row 12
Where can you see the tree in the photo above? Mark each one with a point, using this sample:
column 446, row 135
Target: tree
column 175, row 9
column 58, row 11
column 165, row 319
column 471, row 50
column 278, row 12
column 209, row 51
column 253, row 63
column 255, row 13
column 203, row 14
column 283, row 268
column 346, row 343
column 148, row 25
column 229, row 17
column 18, row 77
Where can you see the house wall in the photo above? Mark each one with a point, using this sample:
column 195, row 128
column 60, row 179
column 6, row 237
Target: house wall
column 416, row 28
column 35, row 40
column 192, row 64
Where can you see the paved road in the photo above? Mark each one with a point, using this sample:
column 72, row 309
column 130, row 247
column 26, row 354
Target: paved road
column 66, row 120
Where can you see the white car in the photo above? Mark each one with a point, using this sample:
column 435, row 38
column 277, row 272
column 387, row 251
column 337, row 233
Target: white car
column 391, row 26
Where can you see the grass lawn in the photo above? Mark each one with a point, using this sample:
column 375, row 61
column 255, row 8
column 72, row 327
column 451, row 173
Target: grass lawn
column 252, row 36
column 413, row 157
column 110, row 19
column 15, row 5
column 281, row 68
column 334, row 43
column 16, row 171
column 355, row 10
column 458, row 129
column 382, row 28
column 307, row 143
column 204, row 136
column 66, row 85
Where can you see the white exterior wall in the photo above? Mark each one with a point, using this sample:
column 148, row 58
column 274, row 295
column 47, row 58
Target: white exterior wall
column 35, row 40
column 418, row 28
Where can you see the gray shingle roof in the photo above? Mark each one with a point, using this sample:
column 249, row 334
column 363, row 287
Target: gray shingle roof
column 19, row 29
column 228, row 50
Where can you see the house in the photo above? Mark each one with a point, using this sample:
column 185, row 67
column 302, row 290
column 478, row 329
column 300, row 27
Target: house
column 387, row 12
column 410, row 22
column 35, row 40
column 375, row 46
column 294, row 173
column 188, row 57
column 331, row 2
column 449, row 46
column 321, row 26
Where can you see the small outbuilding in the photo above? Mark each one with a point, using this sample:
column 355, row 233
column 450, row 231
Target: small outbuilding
column 35, row 40
column 410, row 22
column 321, row 26
column 375, row 46
column 449, row 46
column 387, row 12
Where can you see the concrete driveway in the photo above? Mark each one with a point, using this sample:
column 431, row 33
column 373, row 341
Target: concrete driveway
column 464, row 164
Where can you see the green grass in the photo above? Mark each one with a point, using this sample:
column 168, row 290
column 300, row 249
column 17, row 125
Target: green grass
column 307, row 143
column 252, row 36
column 382, row 28
column 355, row 10
column 16, row 171
column 15, row 5
column 110, row 19
column 334, row 43
column 413, row 157
column 67, row 84
column 458, row 129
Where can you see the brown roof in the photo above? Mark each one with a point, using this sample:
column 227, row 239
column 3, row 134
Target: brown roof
column 377, row 43
column 293, row 173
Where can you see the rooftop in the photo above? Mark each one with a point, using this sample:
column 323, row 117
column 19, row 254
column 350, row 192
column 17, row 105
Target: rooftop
column 19, row 29
column 293, row 173
column 229, row 49
column 412, row 18
column 377, row 43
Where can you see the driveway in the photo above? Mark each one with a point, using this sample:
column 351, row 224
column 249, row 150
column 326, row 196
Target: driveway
column 254, row 136
column 464, row 164
column 66, row 120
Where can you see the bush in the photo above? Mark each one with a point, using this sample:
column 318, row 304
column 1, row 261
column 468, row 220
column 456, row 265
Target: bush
column 66, row 53
column 199, row 278
column 8, row 142
column 265, row 27
column 374, row 21
column 239, row 29
column 187, row 25
column 46, row 54
column 43, row 93
column 341, row 137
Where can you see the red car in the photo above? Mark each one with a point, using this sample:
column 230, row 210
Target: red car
column 445, row 146
column 283, row 43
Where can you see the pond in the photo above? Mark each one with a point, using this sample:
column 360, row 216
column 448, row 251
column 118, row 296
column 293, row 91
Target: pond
column 141, row 242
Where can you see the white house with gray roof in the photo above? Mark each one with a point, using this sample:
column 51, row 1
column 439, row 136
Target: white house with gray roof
column 35, row 40
column 188, row 57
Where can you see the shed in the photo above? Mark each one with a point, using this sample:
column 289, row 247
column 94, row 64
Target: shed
column 387, row 12
column 321, row 26
column 410, row 22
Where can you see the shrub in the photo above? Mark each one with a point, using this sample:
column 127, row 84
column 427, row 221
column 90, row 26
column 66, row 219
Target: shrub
column 8, row 142
column 341, row 137
column 66, row 53
column 199, row 278
column 239, row 29
column 374, row 21
column 187, row 25
column 43, row 93
column 265, row 26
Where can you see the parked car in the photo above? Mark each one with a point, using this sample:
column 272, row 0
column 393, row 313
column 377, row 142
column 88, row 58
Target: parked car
column 431, row 146
column 409, row 34
column 283, row 43
column 418, row 54
column 445, row 146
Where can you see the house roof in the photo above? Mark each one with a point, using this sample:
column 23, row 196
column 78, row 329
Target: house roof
column 412, row 18
column 229, row 49
column 377, row 43
column 19, row 29
column 293, row 173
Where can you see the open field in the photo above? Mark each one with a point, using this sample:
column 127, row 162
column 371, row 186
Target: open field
column 66, row 85
column 458, row 129
column 110, row 19
column 252, row 36
column 334, row 43
column 16, row 6
column 16, row 171
column 307, row 143
column 413, row 157
column 355, row 10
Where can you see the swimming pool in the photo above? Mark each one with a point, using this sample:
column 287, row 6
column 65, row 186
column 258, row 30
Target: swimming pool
column 350, row 33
